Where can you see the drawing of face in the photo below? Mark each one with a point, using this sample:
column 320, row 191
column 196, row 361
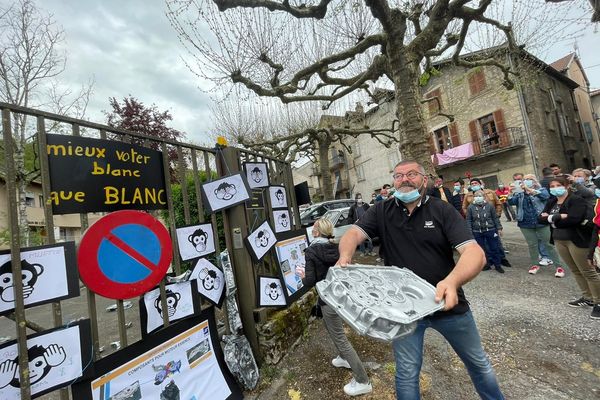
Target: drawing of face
column 273, row 290
column 29, row 275
column 256, row 175
column 262, row 238
column 210, row 279
column 225, row 191
column 198, row 240
column 41, row 361
column 283, row 220
column 279, row 196
column 172, row 301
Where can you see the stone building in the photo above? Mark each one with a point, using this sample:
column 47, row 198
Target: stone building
column 595, row 100
column 495, row 132
column 570, row 65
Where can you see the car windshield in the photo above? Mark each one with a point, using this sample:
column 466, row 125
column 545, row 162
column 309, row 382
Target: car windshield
column 331, row 215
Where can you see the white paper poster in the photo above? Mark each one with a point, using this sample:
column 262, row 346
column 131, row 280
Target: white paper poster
column 225, row 192
column 261, row 240
column 257, row 174
column 44, row 272
column 278, row 197
column 195, row 241
column 180, row 304
column 270, row 292
column 211, row 281
column 183, row 367
column 54, row 360
column 281, row 220
column 290, row 254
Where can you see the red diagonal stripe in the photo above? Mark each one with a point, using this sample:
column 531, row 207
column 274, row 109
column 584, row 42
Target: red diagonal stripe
column 130, row 251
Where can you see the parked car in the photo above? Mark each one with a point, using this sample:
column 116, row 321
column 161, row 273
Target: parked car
column 316, row 211
column 339, row 219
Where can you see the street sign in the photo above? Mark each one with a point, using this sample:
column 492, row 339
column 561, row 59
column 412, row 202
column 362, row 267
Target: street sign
column 124, row 254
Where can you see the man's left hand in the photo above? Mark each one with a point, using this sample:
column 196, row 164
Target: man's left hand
column 448, row 291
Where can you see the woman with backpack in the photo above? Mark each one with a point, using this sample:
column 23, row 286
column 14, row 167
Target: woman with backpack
column 566, row 214
column 320, row 256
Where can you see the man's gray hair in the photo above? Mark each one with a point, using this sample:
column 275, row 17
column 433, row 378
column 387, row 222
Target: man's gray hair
column 406, row 162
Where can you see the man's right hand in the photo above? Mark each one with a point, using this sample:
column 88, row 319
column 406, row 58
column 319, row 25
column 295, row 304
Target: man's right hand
column 344, row 261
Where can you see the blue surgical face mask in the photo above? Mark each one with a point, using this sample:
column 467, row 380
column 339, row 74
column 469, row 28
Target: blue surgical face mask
column 597, row 192
column 478, row 199
column 457, row 187
column 528, row 183
column 579, row 179
column 558, row 191
column 407, row 197
column 475, row 187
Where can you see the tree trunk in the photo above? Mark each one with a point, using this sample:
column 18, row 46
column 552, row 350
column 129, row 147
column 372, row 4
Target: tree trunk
column 19, row 159
column 413, row 133
column 326, row 187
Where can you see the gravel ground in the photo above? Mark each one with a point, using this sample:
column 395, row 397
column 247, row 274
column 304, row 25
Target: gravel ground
column 540, row 347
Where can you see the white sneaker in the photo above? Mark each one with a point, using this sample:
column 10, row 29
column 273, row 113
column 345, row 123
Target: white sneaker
column 546, row 261
column 339, row 362
column 354, row 388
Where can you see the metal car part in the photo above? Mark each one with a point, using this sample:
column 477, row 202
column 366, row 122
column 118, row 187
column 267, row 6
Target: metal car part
column 381, row 302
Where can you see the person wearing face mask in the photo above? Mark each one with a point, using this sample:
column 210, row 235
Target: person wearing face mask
column 502, row 192
column 383, row 193
column 320, row 256
column 530, row 202
column 441, row 192
column 357, row 210
column 490, row 196
column 485, row 225
column 582, row 185
column 420, row 232
column 565, row 213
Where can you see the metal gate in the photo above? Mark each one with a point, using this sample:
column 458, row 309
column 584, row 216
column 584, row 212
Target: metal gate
column 110, row 331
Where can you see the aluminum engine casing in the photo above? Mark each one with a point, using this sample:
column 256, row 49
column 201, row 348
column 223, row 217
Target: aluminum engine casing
column 381, row 302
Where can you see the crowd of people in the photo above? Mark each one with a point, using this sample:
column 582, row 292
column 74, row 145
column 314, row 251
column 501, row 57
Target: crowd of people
column 420, row 225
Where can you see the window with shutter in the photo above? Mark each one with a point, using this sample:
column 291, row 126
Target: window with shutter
column 442, row 139
column 433, row 105
column 477, row 82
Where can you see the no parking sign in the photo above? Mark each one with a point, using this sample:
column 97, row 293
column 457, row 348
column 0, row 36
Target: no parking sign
column 124, row 254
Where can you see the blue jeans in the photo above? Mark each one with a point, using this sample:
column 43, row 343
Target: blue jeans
column 461, row 332
column 366, row 247
column 490, row 243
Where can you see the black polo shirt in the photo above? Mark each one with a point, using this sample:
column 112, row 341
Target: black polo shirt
column 422, row 242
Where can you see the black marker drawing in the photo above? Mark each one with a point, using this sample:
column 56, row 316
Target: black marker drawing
column 283, row 220
column 225, row 191
column 198, row 240
column 41, row 361
column 210, row 280
column 262, row 238
column 172, row 301
column 273, row 290
column 256, row 174
column 29, row 274
column 280, row 197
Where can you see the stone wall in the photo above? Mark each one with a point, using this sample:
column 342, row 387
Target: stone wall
column 283, row 328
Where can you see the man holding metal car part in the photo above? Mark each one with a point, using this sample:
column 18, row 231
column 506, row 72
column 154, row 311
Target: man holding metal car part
column 419, row 232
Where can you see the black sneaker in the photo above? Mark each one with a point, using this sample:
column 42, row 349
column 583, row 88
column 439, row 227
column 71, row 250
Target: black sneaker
column 595, row 312
column 487, row 267
column 505, row 262
column 580, row 303
column 500, row 269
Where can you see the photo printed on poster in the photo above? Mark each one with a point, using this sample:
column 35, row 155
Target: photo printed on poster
column 182, row 361
column 211, row 282
column 49, row 273
column 182, row 302
column 281, row 220
column 56, row 359
column 225, row 192
column 270, row 292
column 257, row 174
column 290, row 254
column 278, row 197
column 261, row 240
column 195, row 241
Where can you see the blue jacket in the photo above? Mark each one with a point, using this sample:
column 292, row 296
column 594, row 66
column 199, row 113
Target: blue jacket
column 529, row 207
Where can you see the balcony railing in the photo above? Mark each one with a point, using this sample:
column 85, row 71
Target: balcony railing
column 336, row 162
column 498, row 140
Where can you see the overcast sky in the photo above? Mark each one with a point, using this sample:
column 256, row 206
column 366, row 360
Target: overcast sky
column 129, row 47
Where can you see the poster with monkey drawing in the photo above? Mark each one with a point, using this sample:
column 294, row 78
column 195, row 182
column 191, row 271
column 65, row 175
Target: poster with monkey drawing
column 182, row 302
column 195, row 241
column 211, row 281
column 281, row 220
column 225, row 192
column 49, row 273
column 57, row 358
column 261, row 240
column 290, row 254
column 257, row 174
column 270, row 292
column 278, row 197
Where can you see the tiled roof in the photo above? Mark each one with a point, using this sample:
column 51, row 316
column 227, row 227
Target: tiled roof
column 562, row 63
column 595, row 92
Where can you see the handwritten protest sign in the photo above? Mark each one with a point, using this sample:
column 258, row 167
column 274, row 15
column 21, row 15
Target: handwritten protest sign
column 91, row 175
